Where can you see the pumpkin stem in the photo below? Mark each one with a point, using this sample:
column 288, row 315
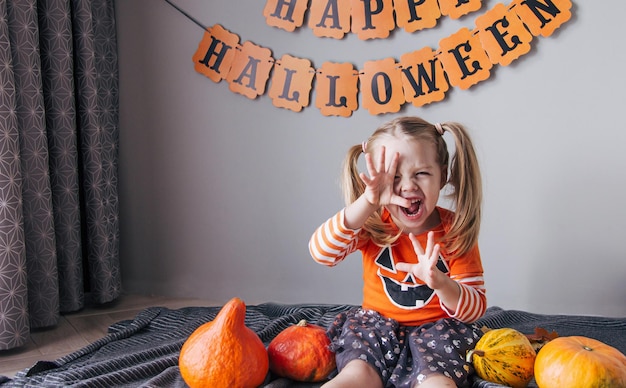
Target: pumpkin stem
column 470, row 355
column 302, row 323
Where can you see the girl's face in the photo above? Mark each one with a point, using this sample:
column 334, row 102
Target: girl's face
column 419, row 178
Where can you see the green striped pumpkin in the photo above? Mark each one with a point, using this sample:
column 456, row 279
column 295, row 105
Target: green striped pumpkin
column 504, row 356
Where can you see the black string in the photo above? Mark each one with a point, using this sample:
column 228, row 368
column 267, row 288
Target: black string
column 187, row 15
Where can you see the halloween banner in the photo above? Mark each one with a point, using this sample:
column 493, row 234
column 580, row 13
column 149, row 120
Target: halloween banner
column 500, row 36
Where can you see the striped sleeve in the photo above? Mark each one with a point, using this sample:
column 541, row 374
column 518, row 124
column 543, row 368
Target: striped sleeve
column 333, row 241
column 473, row 300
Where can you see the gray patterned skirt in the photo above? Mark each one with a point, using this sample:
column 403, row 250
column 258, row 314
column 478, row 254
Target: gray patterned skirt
column 404, row 355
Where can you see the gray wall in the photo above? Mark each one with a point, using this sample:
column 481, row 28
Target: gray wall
column 220, row 194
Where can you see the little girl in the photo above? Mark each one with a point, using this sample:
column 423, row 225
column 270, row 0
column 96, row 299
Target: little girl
column 423, row 278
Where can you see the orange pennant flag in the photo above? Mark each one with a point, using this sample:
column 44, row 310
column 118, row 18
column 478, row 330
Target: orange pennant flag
column 414, row 16
column 503, row 35
column 336, row 89
column 291, row 83
column 287, row 15
column 465, row 61
column 424, row 80
column 216, row 53
column 250, row 70
column 372, row 18
column 542, row 17
column 330, row 18
column 381, row 86
column 457, row 8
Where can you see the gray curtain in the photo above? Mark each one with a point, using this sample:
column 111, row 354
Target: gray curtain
column 59, row 232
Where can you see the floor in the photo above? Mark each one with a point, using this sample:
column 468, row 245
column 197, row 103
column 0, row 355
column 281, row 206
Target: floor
column 76, row 330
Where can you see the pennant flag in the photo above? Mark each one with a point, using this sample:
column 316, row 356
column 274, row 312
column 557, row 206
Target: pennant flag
column 330, row 18
column 250, row 70
column 416, row 15
column 464, row 60
column 337, row 89
column 457, row 8
column 542, row 17
column 381, row 86
column 372, row 18
column 216, row 53
column 424, row 80
column 285, row 14
column 291, row 83
column 503, row 35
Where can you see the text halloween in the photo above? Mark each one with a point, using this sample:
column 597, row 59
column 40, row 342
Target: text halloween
column 463, row 59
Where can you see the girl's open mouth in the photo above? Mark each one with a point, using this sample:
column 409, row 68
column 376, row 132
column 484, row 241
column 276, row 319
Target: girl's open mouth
column 412, row 210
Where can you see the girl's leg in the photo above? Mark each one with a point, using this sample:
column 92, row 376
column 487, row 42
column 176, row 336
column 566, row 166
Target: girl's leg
column 437, row 381
column 358, row 374
column 438, row 354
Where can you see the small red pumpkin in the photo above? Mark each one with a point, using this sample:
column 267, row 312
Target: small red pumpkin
column 301, row 352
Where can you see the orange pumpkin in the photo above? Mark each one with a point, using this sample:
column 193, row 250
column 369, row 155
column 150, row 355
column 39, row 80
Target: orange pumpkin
column 301, row 352
column 576, row 362
column 504, row 356
column 224, row 352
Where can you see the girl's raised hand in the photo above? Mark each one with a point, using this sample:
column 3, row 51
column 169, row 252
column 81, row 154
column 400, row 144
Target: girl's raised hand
column 379, row 183
column 426, row 269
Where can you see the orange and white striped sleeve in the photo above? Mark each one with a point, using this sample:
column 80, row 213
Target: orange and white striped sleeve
column 473, row 300
column 467, row 271
column 333, row 241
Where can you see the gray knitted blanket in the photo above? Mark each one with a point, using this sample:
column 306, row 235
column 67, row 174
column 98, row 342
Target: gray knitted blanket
column 143, row 352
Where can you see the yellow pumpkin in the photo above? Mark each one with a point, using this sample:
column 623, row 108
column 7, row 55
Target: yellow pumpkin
column 577, row 362
column 504, row 356
column 224, row 352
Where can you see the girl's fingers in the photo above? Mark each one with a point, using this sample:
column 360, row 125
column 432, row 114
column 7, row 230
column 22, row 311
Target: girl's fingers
column 365, row 178
column 381, row 160
column 393, row 166
column 416, row 245
column 400, row 201
column 431, row 253
column 430, row 242
column 404, row 267
column 370, row 165
column 435, row 256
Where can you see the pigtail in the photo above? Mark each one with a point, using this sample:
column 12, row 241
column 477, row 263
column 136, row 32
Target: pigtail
column 351, row 184
column 466, row 183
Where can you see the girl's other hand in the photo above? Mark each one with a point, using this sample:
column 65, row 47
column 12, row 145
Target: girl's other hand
column 426, row 269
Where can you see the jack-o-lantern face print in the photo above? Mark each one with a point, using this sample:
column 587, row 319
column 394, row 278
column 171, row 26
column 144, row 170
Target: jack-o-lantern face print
column 403, row 289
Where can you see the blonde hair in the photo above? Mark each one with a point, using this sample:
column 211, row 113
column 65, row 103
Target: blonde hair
column 464, row 180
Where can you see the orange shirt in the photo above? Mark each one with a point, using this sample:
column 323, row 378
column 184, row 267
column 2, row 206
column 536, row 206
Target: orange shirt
column 397, row 294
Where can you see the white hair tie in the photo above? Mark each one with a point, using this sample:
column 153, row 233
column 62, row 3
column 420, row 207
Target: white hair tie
column 439, row 128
